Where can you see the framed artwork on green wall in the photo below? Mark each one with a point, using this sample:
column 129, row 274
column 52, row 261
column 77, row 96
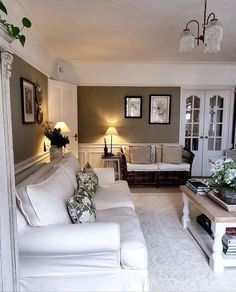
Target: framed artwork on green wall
column 28, row 101
column 159, row 109
column 133, row 107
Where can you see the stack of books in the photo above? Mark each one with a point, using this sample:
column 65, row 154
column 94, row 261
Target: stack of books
column 205, row 222
column 198, row 187
column 229, row 244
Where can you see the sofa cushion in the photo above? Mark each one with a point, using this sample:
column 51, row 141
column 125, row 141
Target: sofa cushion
column 44, row 202
column 113, row 196
column 140, row 154
column 142, row 167
column 71, row 165
column 21, row 195
column 133, row 247
column 158, row 153
column 88, row 182
column 105, row 175
column 81, row 207
column 173, row 167
column 172, row 153
column 88, row 169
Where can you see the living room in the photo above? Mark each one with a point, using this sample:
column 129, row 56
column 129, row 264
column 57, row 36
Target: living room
column 114, row 51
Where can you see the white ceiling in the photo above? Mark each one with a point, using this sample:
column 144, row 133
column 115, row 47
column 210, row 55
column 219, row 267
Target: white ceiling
column 128, row 30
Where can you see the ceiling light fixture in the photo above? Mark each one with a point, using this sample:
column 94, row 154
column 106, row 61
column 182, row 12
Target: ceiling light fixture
column 211, row 36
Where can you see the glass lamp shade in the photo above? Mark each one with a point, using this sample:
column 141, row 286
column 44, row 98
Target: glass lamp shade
column 213, row 36
column 63, row 126
column 186, row 42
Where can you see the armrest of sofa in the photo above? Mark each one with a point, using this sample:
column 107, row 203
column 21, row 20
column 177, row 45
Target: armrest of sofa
column 69, row 239
column 187, row 157
column 105, row 175
column 123, row 166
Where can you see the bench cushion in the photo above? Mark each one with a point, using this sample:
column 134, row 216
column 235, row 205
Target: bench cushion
column 142, row 167
column 173, row 167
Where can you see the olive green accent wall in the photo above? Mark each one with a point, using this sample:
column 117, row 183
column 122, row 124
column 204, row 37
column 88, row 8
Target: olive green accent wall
column 27, row 138
column 103, row 106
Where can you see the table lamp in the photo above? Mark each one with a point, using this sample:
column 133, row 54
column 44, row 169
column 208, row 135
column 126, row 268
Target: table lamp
column 112, row 132
column 63, row 126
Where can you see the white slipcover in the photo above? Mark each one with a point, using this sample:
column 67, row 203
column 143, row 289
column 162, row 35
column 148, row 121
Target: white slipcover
column 108, row 255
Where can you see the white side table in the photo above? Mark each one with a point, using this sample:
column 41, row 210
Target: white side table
column 112, row 161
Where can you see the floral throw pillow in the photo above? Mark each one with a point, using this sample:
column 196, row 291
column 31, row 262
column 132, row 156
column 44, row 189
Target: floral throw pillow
column 85, row 182
column 81, row 207
column 88, row 180
column 88, row 169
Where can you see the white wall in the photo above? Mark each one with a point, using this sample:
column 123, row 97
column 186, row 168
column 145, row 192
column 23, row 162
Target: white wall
column 150, row 73
column 36, row 50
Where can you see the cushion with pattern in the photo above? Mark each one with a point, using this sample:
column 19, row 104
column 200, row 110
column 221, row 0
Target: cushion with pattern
column 81, row 207
column 88, row 180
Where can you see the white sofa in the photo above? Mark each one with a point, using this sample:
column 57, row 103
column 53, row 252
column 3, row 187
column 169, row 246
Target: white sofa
column 56, row 255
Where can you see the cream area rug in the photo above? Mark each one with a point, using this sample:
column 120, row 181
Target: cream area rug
column 176, row 261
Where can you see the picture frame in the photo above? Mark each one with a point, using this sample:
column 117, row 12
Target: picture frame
column 159, row 108
column 28, row 101
column 133, row 107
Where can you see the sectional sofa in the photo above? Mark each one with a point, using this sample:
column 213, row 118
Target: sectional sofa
column 158, row 164
column 56, row 255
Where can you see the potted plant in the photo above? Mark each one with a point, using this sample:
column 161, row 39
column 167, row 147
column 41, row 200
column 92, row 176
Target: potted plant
column 56, row 138
column 224, row 179
column 14, row 32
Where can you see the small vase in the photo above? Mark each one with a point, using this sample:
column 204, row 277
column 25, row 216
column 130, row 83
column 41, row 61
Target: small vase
column 228, row 195
column 55, row 152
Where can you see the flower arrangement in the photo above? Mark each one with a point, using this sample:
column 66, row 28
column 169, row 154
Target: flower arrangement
column 223, row 174
column 54, row 135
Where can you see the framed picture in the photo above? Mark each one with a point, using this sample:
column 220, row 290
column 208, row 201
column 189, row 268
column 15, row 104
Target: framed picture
column 28, row 101
column 159, row 109
column 133, row 107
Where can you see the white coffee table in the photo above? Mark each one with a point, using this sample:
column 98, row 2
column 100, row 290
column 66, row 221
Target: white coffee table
column 220, row 220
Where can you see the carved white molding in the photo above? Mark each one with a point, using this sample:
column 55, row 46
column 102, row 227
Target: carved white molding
column 8, row 232
column 7, row 60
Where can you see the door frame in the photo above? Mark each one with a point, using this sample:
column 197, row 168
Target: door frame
column 8, row 227
column 230, row 88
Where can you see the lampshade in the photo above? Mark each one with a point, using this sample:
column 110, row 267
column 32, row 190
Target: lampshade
column 63, row 126
column 111, row 131
column 186, row 42
column 213, row 36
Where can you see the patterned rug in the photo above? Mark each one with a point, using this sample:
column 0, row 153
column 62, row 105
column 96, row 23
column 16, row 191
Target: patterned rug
column 176, row 261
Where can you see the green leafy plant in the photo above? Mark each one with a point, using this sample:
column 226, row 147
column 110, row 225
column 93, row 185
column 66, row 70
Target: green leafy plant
column 54, row 135
column 13, row 30
column 223, row 174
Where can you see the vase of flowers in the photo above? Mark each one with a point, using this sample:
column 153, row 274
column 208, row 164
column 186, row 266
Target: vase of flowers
column 224, row 179
column 57, row 140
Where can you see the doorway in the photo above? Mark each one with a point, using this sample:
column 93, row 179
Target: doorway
column 206, row 126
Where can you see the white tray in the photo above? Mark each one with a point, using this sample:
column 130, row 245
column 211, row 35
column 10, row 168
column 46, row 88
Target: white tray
column 217, row 199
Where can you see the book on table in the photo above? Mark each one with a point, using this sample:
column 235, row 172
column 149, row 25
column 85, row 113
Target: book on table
column 229, row 239
column 197, row 186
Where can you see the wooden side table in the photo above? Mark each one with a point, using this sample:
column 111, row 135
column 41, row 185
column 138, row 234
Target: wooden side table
column 112, row 161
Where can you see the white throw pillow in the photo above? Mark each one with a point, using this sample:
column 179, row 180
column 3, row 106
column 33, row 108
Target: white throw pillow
column 47, row 199
column 72, row 166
